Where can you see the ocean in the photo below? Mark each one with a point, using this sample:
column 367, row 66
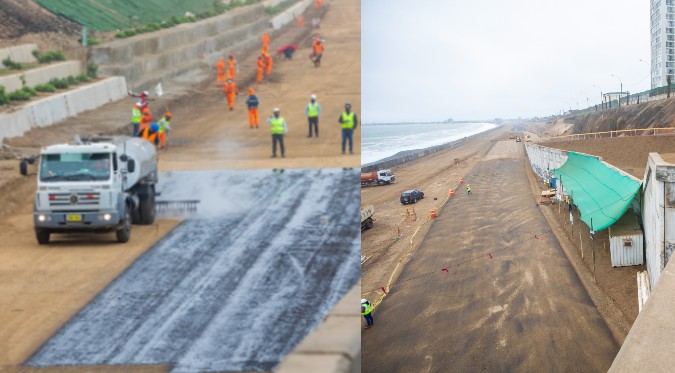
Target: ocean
column 379, row 141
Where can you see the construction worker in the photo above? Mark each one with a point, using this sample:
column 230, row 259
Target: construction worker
column 220, row 66
column 150, row 133
column 279, row 128
column 261, row 68
column 317, row 51
column 468, row 189
column 252, row 104
column 349, row 122
column 146, row 119
column 366, row 311
column 268, row 66
column 313, row 110
column 164, row 127
column 265, row 43
column 136, row 115
column 232, row 67
column 143, row 102
column 230, row 90
column 318, row 4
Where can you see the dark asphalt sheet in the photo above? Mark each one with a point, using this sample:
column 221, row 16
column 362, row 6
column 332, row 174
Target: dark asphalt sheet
column 523, row 310
column 235, row 288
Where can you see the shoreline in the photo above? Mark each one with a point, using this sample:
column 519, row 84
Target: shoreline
column 406, row 156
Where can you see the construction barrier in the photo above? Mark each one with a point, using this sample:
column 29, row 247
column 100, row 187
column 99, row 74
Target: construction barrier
column 432, row 213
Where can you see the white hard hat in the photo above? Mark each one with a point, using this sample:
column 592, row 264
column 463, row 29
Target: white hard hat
column 276, row 110
column 364, row 301
column 146, row 93
column 312, row 97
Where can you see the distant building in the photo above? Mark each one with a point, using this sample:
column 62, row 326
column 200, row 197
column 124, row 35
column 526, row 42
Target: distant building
column 663, row 42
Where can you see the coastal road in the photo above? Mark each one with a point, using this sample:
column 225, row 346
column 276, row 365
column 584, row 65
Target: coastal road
column 234, row 288
column 509, row 301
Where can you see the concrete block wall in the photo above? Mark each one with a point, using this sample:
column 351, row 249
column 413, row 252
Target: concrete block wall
column 49, row 110
column 19, row 53
column 41, row 75
column 290, row 14
column 543, row 159
column 658, row 215
column 145, row 59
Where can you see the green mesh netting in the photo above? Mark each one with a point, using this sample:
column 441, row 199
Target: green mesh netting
column 600, row 192
column 109, row 15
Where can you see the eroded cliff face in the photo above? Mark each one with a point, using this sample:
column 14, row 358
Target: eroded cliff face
column 654, row 114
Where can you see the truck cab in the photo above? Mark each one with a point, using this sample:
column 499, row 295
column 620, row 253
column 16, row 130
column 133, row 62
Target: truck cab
column 97, row 187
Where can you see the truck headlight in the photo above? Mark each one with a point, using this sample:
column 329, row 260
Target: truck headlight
column 43, row 218
column 106, row 217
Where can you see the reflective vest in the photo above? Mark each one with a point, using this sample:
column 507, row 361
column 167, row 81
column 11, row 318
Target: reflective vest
column 136, row 115
column 312, row 110
column 277, row 126
column 347, row 121
column 368, row 309
column 468, row 188
column 163, row 123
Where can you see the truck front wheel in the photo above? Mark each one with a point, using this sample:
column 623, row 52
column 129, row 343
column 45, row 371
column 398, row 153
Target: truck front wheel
column 42, row 236
column 369, row 223
column 124, row 234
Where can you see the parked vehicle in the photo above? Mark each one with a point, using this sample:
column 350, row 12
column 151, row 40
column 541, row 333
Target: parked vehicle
column 411, row 196
column 517, row 138
column 380, row 177
column 100, row 185
column 367, row 217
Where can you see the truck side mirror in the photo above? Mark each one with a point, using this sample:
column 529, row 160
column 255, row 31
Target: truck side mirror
column 131, row 165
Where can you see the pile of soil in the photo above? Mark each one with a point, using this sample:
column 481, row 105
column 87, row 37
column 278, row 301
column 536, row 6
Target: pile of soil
column 24, row 21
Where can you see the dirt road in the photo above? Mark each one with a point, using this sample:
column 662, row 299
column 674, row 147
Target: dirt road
column 509, row 300
column 44, row 287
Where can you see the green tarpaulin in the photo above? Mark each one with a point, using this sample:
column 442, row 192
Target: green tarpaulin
column 601, row 193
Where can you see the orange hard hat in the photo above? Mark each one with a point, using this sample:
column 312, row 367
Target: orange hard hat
column 251, row 91
column 168, row 115
column 146, row 110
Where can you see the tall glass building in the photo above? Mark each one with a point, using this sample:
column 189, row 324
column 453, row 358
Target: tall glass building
column 663, row 42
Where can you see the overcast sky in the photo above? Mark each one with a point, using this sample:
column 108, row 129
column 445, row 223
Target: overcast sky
column 466, row 59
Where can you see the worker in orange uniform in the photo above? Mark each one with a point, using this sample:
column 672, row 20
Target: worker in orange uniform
column 260, row 64
column 151, row 133
column 318, row 4
column 252, row 104
column 265, row 39
column 232, row 68
column 230, row 90
column 220, row 66
column 146, row 119
column 268, row 66
column 317, row 51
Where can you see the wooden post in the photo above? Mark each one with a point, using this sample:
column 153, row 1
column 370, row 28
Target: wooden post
column 581, row 244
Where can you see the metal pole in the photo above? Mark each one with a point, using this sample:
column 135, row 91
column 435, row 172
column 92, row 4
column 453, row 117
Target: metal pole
column 593, row 249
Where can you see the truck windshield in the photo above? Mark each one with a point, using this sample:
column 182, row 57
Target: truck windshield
column 75, row 167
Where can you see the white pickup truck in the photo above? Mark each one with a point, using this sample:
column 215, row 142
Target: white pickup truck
column 99, row 185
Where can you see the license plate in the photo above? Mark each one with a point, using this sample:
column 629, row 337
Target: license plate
column 73, row 217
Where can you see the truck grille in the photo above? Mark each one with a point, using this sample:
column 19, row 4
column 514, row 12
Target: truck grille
column 74, row 199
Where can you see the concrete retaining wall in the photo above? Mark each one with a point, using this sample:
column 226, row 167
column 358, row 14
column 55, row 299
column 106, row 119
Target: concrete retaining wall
column 658, row 215
column 52, row 109
column 19, row 53
column 290, row 14
column 41, row 75
column 148, row 58
column 542, row 159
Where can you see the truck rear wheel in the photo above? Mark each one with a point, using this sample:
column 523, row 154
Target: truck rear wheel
column 124, row 234
column 42, row 236
column 369, row 223
column 147, row 208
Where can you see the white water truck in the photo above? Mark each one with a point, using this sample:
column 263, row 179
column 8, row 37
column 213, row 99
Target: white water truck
column 100, row 184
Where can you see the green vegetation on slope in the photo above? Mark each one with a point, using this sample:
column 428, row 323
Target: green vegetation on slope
column 110, row 15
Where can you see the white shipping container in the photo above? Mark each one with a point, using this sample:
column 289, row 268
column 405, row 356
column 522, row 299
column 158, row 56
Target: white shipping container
column 625, row 241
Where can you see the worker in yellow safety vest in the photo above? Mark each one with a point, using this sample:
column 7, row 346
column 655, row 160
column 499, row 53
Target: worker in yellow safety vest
column 349, row 122
column 468, row 189
column 136, row 118
column 313, row 110
column 164, row 127
column 366, row 312
column 278, row 128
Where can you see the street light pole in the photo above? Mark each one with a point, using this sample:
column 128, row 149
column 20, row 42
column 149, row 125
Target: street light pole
column 601, row 100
